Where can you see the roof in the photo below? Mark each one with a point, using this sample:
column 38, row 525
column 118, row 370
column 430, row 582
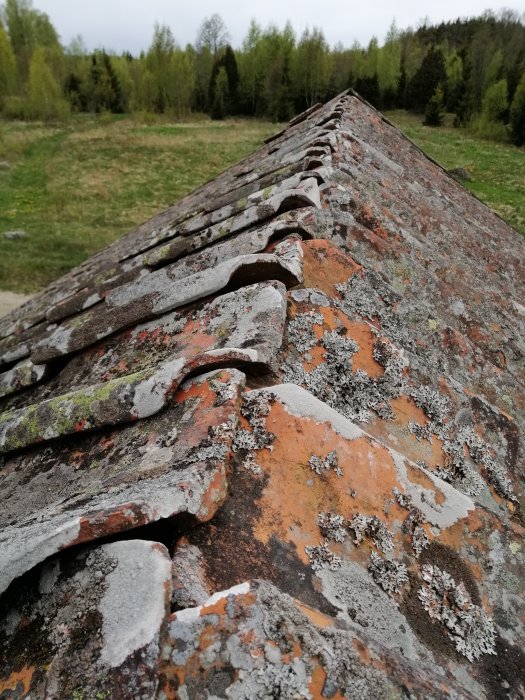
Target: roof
column 270, row 443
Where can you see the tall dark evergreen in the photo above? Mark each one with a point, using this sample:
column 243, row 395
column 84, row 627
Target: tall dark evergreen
column 368, row 88
column 105, row 90
column 427, row 78
column 435, row 109
column 74, row 93
column 401, row 88
column 517, row 114
column 227, row 101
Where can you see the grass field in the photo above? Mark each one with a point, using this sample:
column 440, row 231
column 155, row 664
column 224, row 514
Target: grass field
column 75, row 189
column 497, row 169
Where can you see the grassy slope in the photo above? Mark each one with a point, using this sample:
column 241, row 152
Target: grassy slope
column 76, row 189
column 497, row 170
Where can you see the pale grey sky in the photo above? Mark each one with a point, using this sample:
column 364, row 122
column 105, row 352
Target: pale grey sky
column 128, row 24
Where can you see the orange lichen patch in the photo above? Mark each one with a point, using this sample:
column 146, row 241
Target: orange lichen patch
column 194, row 340
column 360, row 331
column 209, row 634
column 216, row 608
column 317, row 682
column 418, row 476
column 318, row 618
column 294, row 493
column 324, row 266
column 396, row 434
column 13, row 681
column 219, row 606
column 473, row 531
column 171, row 678
column 214, row 496
column 363, row 651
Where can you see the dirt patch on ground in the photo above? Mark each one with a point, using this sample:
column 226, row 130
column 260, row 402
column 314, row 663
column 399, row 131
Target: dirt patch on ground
column 10, row 300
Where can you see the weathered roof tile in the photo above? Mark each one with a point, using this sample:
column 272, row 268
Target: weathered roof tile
column 96, row 486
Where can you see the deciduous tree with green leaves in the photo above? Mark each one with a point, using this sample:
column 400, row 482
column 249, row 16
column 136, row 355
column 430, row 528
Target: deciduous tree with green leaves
column 45, row 99
column 7, row 67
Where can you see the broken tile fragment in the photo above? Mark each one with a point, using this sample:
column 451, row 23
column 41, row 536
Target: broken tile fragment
column 67, row 631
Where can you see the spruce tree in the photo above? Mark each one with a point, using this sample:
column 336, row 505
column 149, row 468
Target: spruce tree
column 435, row 109
column 517, row 114
column 220, row 94
column 368, row 88
column 429, row 75
column 228, row 99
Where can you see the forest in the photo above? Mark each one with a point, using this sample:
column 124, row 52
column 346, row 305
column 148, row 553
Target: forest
column 471, row 68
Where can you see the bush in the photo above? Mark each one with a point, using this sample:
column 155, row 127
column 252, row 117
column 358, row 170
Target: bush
column 15, row 108
column 483, row 127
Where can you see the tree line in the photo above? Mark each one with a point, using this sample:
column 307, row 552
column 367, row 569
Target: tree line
column 473, row 68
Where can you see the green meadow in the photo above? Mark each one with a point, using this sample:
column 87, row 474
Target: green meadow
column 74, row 189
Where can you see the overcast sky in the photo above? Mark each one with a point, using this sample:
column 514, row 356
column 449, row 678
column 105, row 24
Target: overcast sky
column 128, row 24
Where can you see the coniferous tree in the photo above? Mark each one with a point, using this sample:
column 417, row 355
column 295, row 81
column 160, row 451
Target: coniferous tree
column 401, row 88
column 517, row 114
column 220, row 94
column 104, row 88
column 74, row 92
column 430, row 74
column 455, row 80
column 435, row 109
column 232, row 73
column 369, row 89
column 227, row 101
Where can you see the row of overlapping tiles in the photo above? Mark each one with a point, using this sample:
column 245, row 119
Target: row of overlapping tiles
column 339, row 335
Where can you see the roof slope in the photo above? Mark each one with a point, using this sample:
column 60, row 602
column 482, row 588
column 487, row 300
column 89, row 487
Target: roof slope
column 270, row 444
